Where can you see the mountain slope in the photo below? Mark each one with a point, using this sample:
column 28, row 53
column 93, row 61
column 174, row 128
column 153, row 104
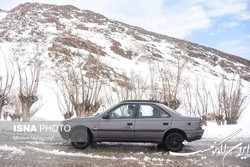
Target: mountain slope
column 70, row 26
column 59, row 33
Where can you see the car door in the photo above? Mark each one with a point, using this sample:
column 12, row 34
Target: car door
column 151, row 122
column 119, row 124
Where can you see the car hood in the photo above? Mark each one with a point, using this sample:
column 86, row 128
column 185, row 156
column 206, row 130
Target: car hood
column 82, row 119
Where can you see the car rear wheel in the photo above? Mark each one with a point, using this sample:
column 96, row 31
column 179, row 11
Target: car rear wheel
column 173, row 142
column 80, row 140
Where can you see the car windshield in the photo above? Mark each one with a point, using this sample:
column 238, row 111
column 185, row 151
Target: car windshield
column 99, row 113
column 102, row 112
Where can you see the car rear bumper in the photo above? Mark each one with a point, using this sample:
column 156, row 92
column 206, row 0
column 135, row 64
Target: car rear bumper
column 194, row 135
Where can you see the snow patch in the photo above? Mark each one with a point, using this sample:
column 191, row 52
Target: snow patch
column 146, row 158
column 130, row 158
column 158, row 159
column 63, row 153
column 212, row 130
column 3, row 15
column 13, row 150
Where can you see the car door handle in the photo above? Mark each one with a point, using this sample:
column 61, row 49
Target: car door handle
column 165, row 123
column 129, row 124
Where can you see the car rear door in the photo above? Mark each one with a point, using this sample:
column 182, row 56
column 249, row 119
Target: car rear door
column 151, row 122
column 120, row 123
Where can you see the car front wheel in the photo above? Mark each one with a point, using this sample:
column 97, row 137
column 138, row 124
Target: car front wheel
column 80, row 140
column 173, row 142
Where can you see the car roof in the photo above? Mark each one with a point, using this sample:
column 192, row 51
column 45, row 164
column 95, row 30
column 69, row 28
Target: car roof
column 140, row 101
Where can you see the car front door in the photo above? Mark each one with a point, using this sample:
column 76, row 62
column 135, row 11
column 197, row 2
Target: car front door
column 151, row 122
column 119, row 124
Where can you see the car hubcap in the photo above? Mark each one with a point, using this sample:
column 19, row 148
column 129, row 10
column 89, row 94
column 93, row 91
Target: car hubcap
column 174, row 142
column 79, row 139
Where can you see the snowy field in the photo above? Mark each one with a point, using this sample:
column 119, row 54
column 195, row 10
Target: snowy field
column 118, row 154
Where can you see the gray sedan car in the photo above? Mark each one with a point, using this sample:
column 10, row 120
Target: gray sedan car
column 134, row 121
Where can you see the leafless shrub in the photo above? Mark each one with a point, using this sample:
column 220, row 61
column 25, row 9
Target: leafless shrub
column 231, row 100
column 217, row 108
column 211, row 116
column 197, row 100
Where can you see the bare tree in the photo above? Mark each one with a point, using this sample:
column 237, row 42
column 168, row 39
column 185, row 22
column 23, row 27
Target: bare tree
column 28, row 86
column 231, row 100
column 13, row 109
column 197, row 100
column 189, row 103
column 170, row 83
column 154, row 87
column 123, row 89
column 217, row 108
column 64, row 103
column 133, row 86
column 6, row 83
column 83, row 84
column 139, row 86
column 202, row 101
column 110, row 98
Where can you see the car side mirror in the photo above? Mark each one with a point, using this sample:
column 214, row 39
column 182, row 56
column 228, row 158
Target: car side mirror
column 105, row 116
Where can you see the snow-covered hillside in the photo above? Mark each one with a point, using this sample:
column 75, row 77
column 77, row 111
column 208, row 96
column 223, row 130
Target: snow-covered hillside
column 2, row 14
column 58, row 33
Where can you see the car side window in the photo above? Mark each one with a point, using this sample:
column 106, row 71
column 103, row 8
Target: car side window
column 123, row 111
column 151, row 111
column 164, row 114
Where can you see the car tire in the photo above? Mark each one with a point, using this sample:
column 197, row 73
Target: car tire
column 173, row 142
column 78, row 135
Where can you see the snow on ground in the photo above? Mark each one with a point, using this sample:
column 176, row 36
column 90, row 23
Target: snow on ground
column 213, row 131
column 3, row 15
column 130, row 158
column 63, row 153
column 219, row 132
column 13, row 150
column 57, row 152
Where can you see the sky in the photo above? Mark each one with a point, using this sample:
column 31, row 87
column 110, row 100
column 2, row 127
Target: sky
column 220, row 24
